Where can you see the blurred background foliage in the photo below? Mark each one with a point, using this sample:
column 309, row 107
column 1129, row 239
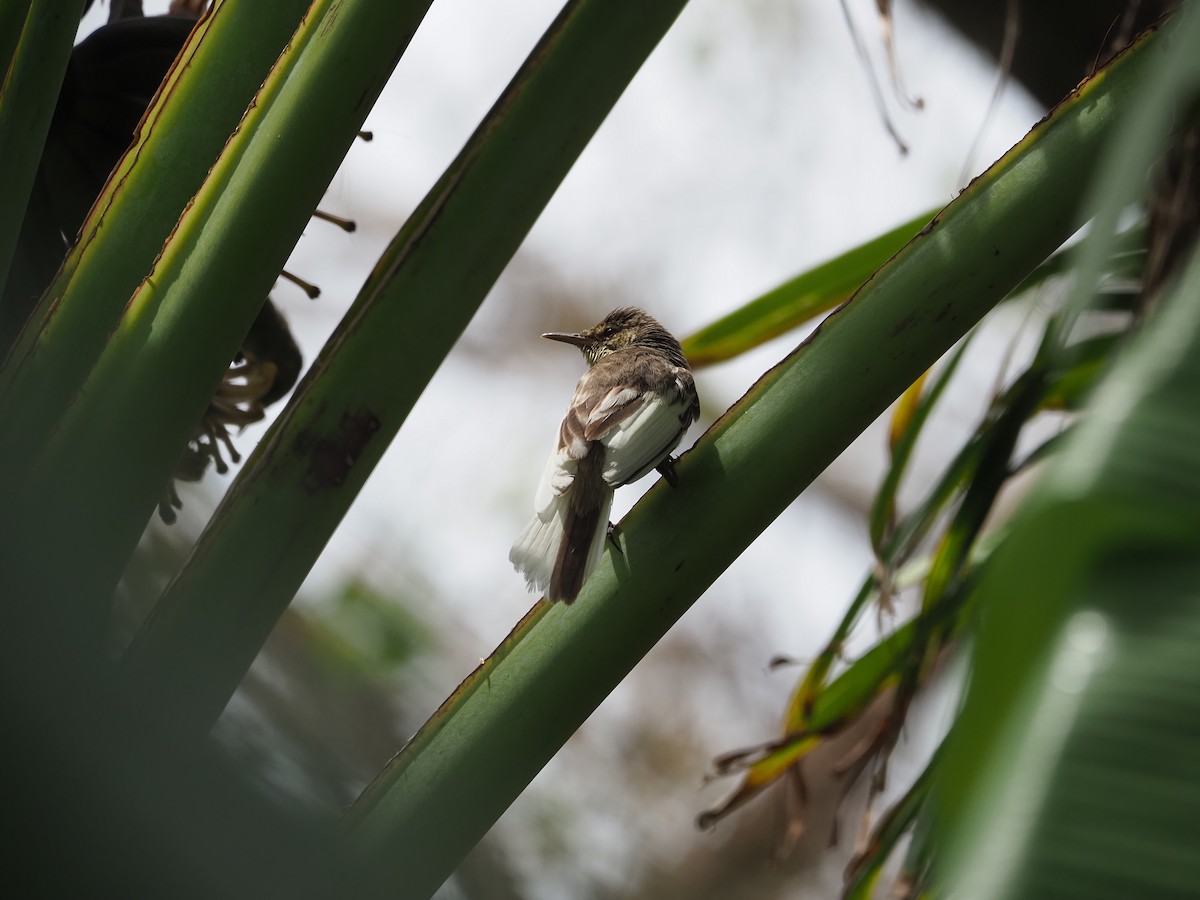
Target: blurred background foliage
column 357, row 661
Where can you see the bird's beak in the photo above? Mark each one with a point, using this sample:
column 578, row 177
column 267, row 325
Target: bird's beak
column 576, row 339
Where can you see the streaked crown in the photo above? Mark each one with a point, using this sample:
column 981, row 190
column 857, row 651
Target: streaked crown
column 624, row 327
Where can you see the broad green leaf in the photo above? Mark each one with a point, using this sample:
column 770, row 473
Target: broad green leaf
column 1097, row 790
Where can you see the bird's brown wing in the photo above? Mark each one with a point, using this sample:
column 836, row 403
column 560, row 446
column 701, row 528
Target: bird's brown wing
column 599, row 405
column 636, row 405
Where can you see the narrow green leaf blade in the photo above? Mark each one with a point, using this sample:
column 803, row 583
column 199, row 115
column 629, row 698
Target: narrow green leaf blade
column 863, row 872
column 798, row 300
column 884, row 506
column 29, row 86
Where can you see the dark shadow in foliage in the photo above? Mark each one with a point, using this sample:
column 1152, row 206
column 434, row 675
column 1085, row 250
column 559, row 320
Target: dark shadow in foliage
column 99, row 802
column 111, row 78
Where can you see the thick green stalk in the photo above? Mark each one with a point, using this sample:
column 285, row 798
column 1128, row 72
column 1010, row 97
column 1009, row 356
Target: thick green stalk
column 91, row 490
column 220, row 67
column 296, row 487
column 451, row 782
column 28, row 93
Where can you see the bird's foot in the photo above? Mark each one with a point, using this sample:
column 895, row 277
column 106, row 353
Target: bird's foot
column 611, row 536
column 666, row 469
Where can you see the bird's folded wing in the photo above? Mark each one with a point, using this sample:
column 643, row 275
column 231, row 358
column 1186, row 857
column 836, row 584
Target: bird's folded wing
column 639, row 442
column 636, row 425
column 594, row 411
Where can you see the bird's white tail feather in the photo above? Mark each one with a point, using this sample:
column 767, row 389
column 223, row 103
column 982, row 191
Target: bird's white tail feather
column 535, row 549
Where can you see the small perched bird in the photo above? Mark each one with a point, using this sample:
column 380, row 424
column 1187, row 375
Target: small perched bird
column 630, row 410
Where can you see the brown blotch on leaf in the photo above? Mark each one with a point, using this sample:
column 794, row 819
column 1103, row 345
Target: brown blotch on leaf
column 904, row 324
column 331, row 458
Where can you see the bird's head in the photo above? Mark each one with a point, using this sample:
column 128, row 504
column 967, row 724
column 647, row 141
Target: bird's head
column 621, row 328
